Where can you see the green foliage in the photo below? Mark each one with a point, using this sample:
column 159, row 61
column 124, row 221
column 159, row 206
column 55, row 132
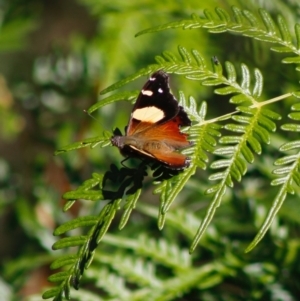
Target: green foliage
column 139, row 260
column 245, row 23
column 230, row 194
column 228, row 143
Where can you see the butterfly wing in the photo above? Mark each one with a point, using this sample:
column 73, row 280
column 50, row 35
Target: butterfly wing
column 155, row 105
column 160, row 141
column 154, row 126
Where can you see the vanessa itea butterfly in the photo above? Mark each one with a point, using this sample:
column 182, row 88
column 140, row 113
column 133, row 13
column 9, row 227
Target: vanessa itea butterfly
column 153, row 129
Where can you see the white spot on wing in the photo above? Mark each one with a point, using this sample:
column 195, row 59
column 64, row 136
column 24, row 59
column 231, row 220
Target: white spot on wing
column 148, row 114
column 147, row 92
column 160, row 90
column 152, row 79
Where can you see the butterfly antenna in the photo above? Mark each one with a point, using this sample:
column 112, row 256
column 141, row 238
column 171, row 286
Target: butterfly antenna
column 85, row 111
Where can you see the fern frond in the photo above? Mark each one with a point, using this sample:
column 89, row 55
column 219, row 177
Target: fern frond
column 242, row 22
column 165, row 253
column 194, row 67
column 255, row 124
column 128, row 79
column 113, row 284
column 242, row 91
column 88, row 295
column 84, row 221
column 151, row 285
column 135, row 269
column 92, row 189
column 85, row 191
column 252, row 125
column 169, row 189
column 288, row 175
column 130, row 204
column 128, row 96
column 190, row 63
column 101, row 141
column 74, row 265
column 182, row 220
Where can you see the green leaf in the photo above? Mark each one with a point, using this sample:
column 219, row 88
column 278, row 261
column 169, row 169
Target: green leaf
column 255, row 145
column 250, row 18
column 290, row 146
column 262, row 133
column 220, row 163
column 199, row 59
column 102, row 141
column 231, row 72
column 285, row 160
column 84, row 221
column 130, row 204
column 86, row 195
column 235, row 128
column 242, row 119
column 246, row 152
column 223, row 15
column 66, row 242
column 213, row 82
column 225, row 151
column 230, row 139
column 53, row 292
column 267, row 123
column 296, row 107
column 291, row 127
column 278, row 181
column 282, row 49
column 268, row 22
column 258, row 85
column 295, row 116
column 58, row 277
column 284, row 30
column 170, row 57
column 271, row 114
column 245, row 85
column 277, row 203
column 208, row 215
column 291, row 60
column 238, row 99
column 169, row 189
column 226, row 90
column 128, row 96
column 63, row 261
column 185, row 55
column 282, row 170
column 215, row 177
column 241, row 165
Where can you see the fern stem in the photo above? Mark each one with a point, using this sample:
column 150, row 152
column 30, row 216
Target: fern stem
column 275, row 99
column 257, row 105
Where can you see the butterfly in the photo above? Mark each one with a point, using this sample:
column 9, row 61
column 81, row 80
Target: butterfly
column 153, row 130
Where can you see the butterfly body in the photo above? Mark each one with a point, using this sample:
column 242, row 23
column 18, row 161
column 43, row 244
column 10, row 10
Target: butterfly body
column 153, row 129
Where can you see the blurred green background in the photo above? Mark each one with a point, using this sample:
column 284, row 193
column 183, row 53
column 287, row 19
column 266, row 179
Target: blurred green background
column 56, row 56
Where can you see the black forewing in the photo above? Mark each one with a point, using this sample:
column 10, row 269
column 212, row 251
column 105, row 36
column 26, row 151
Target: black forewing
column 161, row 97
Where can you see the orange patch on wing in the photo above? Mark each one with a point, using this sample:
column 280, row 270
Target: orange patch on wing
column 176, row 160
column 168, row 132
